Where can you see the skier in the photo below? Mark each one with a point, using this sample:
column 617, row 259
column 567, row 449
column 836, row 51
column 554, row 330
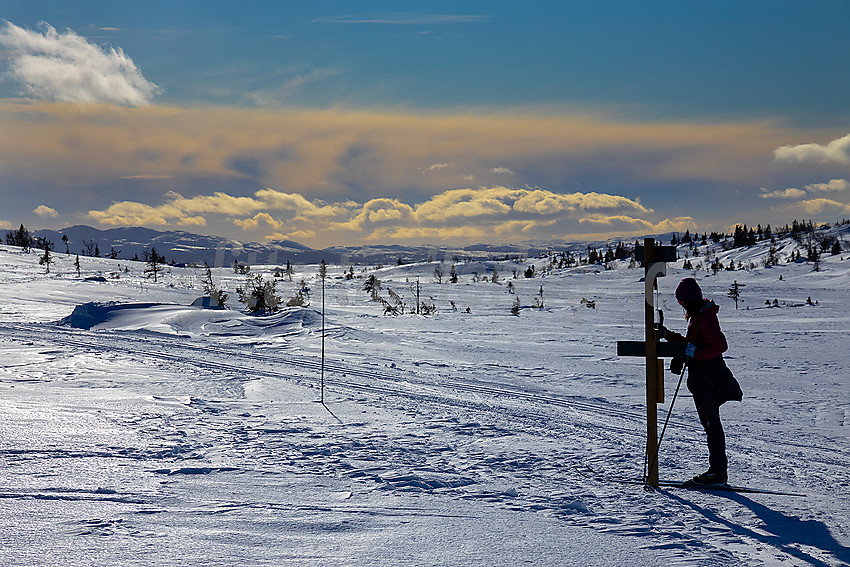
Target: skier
column 709, row 380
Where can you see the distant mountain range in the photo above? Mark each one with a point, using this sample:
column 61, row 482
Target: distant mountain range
column 177, row 246
column 187, row 248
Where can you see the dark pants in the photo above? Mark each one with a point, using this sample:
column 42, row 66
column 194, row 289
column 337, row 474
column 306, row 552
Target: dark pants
column 709, row 416
column 712, row 384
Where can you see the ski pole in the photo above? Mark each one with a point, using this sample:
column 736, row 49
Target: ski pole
column 663, row 429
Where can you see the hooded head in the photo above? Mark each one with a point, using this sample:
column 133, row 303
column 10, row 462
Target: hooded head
column 688, row 291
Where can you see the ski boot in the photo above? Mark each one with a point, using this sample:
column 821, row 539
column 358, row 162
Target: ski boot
column 709, row 478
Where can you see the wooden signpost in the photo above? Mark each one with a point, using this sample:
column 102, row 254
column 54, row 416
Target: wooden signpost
column 653, row 259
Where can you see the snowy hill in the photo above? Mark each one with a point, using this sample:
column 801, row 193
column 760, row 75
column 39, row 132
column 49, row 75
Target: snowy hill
column 136, row 429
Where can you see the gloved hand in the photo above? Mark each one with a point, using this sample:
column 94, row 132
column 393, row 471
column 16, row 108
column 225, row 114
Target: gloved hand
column 677, row 364
column 690, row 350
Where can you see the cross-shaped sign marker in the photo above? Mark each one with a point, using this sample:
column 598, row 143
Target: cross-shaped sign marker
column 653, row 260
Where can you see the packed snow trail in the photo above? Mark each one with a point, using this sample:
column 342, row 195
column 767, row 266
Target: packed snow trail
column 234, row 417
column 202, row 470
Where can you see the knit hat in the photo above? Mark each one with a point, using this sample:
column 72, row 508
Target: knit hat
column 688, row 290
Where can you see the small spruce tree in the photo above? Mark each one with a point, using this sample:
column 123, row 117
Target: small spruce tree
column 154, row 261
column 515, row 307
column 212, row 289
column 372, row 286
column 735, row 292
column 21, row 238
column 46, row 259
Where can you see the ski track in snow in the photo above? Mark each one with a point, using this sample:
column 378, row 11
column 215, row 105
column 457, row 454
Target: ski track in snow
column 196, row 444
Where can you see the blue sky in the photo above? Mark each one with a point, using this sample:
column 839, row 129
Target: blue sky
column 330, row 122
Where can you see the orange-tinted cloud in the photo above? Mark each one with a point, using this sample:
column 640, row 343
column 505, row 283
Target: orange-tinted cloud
column 46, row 212
column 361, row 153
column 454, row 215
column 821, row 206
column 343, row 175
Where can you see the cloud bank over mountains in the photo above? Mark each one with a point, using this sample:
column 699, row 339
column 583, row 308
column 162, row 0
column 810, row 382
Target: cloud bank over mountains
column 453, row 215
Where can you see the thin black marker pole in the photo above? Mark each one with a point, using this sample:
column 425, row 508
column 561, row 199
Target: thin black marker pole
column 323, row 272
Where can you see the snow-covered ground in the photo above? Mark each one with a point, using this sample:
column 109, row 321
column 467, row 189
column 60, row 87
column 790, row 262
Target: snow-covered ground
column 163, row 434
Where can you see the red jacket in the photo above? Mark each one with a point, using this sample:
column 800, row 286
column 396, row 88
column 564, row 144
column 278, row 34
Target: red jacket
column 704, row 332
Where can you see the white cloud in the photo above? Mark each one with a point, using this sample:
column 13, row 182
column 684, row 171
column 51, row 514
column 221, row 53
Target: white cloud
column 129, row 213
column 219, row 203
column 147, row 176
column 45, row 212
column 502, row 170
column 189, row 211
column 790, row 193
column 257, row 220
column 64, row 67
column 437, row 167
column 625, row 224
column 835, row 151
column 304, row 208
column 831, row 185
column 817, row 207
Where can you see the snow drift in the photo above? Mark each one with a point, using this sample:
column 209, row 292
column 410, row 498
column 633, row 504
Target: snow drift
column 192, row 321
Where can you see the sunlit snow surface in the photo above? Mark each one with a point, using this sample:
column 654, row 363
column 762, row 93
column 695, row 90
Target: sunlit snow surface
column 162, row 434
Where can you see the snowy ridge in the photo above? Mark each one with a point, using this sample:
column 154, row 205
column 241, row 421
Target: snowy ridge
column 138, row 430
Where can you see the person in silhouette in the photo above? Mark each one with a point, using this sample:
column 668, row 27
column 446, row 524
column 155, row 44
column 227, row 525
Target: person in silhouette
column 709, row 379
